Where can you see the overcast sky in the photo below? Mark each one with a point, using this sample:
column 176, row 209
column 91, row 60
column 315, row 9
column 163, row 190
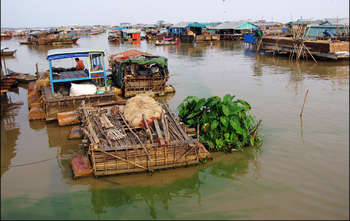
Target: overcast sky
column 35, row 13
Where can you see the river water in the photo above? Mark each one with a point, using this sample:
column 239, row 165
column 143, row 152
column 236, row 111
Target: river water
column 300, row 172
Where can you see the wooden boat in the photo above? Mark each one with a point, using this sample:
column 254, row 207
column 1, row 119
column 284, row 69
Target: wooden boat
column 47, row 89
column 5, row 52
column 22, row 78
column 25, row 43
column 165, row 41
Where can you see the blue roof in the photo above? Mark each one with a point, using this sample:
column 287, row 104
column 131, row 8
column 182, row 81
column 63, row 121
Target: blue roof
column 70, row 52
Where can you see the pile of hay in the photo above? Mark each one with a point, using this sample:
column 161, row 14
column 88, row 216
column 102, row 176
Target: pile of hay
column 141, row 104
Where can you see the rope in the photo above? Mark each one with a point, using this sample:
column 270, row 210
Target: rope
column 31, row 163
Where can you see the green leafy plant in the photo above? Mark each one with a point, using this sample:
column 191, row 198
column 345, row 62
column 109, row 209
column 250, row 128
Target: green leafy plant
column 109, row 82
column 225, row 124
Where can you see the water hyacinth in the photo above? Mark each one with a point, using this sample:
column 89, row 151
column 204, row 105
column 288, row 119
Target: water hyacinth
column 225, row 124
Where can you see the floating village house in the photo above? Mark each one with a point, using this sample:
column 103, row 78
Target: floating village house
column 193, row 31
column 271, row 27
column 338, row 29
column 234, row 30
column 178, row 29
column 131, row 34
column 307, row 39
column 295, row 25
column 49, row 37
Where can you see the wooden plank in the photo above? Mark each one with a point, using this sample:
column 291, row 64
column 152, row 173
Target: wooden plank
column 147, row 127
column 166, row 132
column 92, row 132
column 184, row 134
column 159, row 132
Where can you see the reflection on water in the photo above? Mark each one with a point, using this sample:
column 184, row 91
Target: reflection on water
column 301, row 174
column 151, row 201
column 326, row 70
column 9, row 131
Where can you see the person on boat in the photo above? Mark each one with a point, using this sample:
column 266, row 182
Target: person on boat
column 80, row 64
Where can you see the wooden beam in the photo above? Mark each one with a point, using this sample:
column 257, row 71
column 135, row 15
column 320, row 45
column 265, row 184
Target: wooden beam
column 166, row 132
column 147, row 127
column 159, row 132
column 184, row 134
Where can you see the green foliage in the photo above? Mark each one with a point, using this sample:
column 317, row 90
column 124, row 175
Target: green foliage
column 109, row 82
column 225, row 124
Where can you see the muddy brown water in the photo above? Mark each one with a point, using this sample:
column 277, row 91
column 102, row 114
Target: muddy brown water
column 298, row 173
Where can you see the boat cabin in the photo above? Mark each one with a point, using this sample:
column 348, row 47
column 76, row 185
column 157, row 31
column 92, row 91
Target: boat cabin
column 136, row 72
column 94, row 69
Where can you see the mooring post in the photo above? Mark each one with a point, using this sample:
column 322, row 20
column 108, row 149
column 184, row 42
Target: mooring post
column 302, row 108
column 37, row 70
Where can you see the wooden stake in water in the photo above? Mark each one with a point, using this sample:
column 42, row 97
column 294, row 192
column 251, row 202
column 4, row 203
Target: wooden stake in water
column 302, row 108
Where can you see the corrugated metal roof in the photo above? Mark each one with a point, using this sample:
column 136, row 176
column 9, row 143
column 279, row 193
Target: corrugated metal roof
column 238, row 25
column 339, row 21
column 269, row 23
column 197, row 25
column 129, row 53
column 246, row 25
column 229, row 25
column 150, row 26
column 129, row 31
column 72, row 51
column 180, row 25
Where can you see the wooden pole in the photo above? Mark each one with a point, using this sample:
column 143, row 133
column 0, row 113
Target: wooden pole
column 5, row 68
column 302, row 108
column 37, row 69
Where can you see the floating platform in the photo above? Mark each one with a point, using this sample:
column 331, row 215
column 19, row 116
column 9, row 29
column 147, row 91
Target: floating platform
column 114, row 147
column 319, row 48
column 53, row 105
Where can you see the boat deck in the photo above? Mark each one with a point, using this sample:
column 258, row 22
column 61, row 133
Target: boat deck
column 67, row 75
column 57, row 104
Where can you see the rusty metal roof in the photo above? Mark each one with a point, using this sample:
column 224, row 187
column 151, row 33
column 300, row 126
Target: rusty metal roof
column 129, row 53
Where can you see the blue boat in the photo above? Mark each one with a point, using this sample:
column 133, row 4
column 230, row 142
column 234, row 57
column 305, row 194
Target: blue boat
column 96, row 68
column 55, row 91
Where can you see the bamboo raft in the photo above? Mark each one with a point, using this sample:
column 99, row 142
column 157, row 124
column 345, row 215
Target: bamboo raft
column 114, row 147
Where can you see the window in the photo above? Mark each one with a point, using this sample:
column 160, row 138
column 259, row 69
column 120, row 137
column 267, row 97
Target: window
column 96, row 62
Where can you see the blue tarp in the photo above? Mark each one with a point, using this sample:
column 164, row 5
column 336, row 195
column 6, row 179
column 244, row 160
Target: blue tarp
column 250, row 38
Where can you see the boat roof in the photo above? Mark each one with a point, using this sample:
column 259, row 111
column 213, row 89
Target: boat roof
column 129, row 54
column 70, row 52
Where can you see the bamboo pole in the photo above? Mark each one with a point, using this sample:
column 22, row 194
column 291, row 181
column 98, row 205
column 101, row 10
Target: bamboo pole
column 310, row 53
column 302, row 108
column 127, row 161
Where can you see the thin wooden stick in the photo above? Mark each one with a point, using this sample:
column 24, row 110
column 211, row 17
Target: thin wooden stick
column 127, row 161
column 310, row 54
column 302, row 109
